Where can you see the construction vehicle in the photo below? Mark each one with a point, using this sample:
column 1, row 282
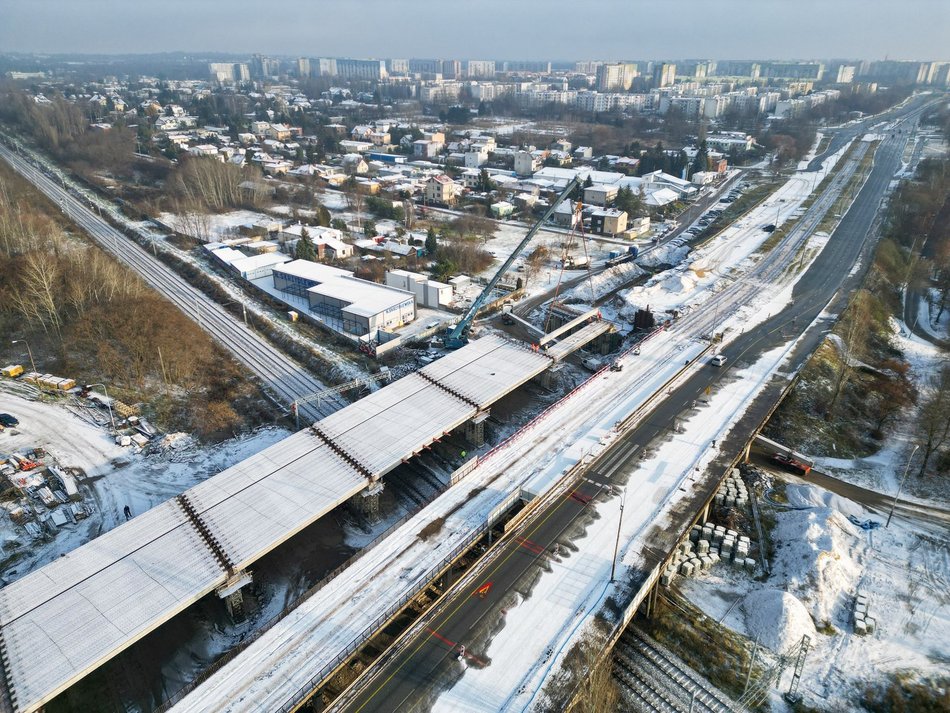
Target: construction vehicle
column 506, row 317
column 457, row 337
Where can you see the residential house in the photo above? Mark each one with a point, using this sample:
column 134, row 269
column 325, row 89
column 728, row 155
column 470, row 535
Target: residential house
column 600, row 194
column 441, row 189
column 502, row 209
column 423, row 148
column 526, row 163
column 608, row 221
column 354, row 164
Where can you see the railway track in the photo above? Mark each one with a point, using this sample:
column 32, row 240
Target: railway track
column 284, row 378
column 656, row 680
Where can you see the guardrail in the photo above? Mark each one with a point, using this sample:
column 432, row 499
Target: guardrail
column 368, row 632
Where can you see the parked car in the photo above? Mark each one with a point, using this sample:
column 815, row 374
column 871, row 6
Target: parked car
column 8, row 420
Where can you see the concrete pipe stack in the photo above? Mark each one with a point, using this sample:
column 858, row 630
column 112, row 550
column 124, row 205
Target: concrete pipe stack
column 732, row 491
column 863, row 622
column 705, row 546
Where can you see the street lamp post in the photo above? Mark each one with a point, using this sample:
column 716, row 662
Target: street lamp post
column 29, row 351
column 901, row 486
column 108, row 403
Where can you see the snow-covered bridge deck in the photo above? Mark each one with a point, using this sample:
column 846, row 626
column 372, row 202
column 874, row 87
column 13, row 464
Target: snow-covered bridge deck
column 582, row 337
column 61, row 622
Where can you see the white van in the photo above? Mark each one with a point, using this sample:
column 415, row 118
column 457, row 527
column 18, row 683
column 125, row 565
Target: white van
column 718, row 360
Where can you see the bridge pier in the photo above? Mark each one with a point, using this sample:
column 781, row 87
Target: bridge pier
column 649, row 604
column 546, row 378
column 747, row 452
column 233, row 596
column 367, row 502
column 475, row 429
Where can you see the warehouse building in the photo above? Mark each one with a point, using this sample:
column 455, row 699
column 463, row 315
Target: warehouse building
column 356, row 306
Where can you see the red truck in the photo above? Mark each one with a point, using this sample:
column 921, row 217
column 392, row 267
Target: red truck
column 791, row 464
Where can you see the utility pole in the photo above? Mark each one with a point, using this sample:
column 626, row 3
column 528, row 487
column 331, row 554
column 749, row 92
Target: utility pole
column 901, row 486
column 613, row 562
column 748, row 677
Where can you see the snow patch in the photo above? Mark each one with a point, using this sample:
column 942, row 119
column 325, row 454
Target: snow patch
column 777, row 619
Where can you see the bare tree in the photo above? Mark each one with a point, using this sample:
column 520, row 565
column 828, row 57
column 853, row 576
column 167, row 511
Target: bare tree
column 856, row 328
column 934, row 422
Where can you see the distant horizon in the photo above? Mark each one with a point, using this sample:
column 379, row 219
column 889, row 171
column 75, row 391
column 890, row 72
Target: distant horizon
column 241, row 56
column 611, row 30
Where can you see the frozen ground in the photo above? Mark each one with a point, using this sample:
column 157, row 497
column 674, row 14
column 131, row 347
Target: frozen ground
column 273, row 668
column 701, row 273
column 821, row 561
column 212, row 226
column 113, row 476
column 929, row 318
column 882, row 471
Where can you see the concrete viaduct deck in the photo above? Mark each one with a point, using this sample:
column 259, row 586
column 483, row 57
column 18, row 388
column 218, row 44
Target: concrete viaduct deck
column 66, row 619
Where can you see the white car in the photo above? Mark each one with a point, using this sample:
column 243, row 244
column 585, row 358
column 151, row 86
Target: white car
column 718, row 360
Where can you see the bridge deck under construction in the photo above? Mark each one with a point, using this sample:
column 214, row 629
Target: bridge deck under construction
column 61, row 622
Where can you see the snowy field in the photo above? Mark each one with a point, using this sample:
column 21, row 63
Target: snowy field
column 113, row 476
column 821, row 562
column 212, row 226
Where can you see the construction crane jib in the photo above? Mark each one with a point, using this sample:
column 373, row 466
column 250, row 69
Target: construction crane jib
column 458, row 336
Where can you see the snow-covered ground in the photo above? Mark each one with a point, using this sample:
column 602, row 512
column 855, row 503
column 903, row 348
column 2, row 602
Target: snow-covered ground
column 212, row 226
column 112, row 476
column 929, row 317
column 821, row 561
column 882, row 471
column 276, row 666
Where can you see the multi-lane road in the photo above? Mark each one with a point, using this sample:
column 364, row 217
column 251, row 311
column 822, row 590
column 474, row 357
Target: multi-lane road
column 411, row 675
column 285, row 378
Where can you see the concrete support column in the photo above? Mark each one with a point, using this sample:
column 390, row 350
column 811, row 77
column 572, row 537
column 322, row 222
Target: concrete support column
column 747, row 452
column 705, row 515
column 546, row 379
column 367, row 502
column 649, row 604
column 235, row 605
column 475, row 429
column 232, row 592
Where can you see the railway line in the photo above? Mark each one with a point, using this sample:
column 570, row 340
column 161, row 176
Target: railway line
column 285, row 379
column 656, row 679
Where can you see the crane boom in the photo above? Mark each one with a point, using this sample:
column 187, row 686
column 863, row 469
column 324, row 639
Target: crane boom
column 457, row 337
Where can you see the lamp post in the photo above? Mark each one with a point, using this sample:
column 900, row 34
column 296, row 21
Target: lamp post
column 108, row 403
column 901, row 486
column 29, row 351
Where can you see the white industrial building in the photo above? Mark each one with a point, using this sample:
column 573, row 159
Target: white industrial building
column 429, row 293
column 359, row 306
column 249, row 268
column 257, row 266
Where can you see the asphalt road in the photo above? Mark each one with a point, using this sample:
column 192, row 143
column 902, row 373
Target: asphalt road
column 410, row 676
column 873, row 500
column 287, row 379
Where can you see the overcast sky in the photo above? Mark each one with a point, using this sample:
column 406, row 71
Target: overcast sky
column 490, row 29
